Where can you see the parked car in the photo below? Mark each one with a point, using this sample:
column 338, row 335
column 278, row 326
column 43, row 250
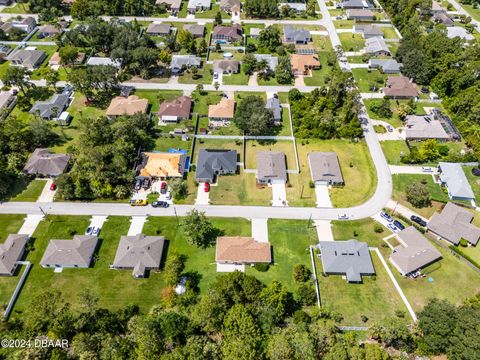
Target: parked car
column 398, row 224
column 89, row 230
column 389, row 128
column 427, row 169
column 168, row 196
column 215, row 75
column 418, row 220
column 393, row 228
column 387, row 217
column 146, row 184
column 138, row 202
column 206, row 187
column 53, row 187
column 163, row 188
column 343, row 217
column 138, row 184
column 162, row 204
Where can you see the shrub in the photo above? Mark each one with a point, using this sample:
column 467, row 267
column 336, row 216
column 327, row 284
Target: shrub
column 463, row 242
column 364, row 318
column 378, row 228
column 301, row 273
column 307, row 295
column 418, row 195
column 262, row 267
column 311, row 184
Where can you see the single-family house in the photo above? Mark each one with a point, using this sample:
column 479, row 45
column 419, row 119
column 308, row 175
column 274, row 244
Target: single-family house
column 400, row 87
column 296, row 36
column 368, row 31
column 457, row 31
column 227, row 34
column 196, row 30
column 181, row 62
column 4, row 51
column 443, row 18
column 211, row 163
column 159, row 29
column 424, row 127
column 198, row 5
column 51, row 108
column 242, row 251
column 103, row 61
column 454, row 179
column 175, row 110
column 49, row 30
column 226, row 66
column 26, row 25
column 437, row 8
column 274, row 104
column 140, row 253
column 173, row 6
column 350, row 258
column 7, row 101
column 255, row 32
column 43, row 162
column 354, row 4
column 56, row 60
column 271, row 167
column 29, row 58
column 360, row 15
column 304, row 64
column 453, row 224
column 325, row 168
column 230, row 6
column 376, row 46
column 222, row 113
column 272, row 61
column 130, row 105
column 387, row 66
column 76, row 253
column 6, row 27
column 298, row 7
column 162, row 165
column 12, row 251
column 414, row 252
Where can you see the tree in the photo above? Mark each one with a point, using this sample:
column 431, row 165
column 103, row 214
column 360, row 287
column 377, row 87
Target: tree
column 307, row 295
column 51, row 76
column 418, row 195
column 301, row 273
column 17, row 76
column 249, row 64
column 198, row 230
column 186, row 40
column 252, row 117
column 269, row 38
column 311, row 8
column 179, row 189
column 283, row 71
column 278, row 298
column 68, row 55
column 218, row 19
column 97, row 83
column 392, row 332
column 202, row 47
column 261, row 8
column 174, row 267
column 381, row 108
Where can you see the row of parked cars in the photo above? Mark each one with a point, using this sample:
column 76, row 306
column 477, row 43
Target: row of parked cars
column 397, row 226
column 155, row 204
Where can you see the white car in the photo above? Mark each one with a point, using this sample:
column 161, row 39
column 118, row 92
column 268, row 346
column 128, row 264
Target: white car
column 427, row 169
column 393, row 228
column 343, row 217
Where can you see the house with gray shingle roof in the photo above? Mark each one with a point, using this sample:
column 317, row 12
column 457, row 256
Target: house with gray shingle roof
column 274, row 104
column 453, row 224
column 368, row 31
column 354, row 4
column 350, row 258
column 140, row 253
column 360, row 15
column 388, row 66
column 179, row 62
column 455, row 181
column 43, row 162
column 414, row 252
column 296, row 36
column 295, row 6
column 325, row 168
column 12, row 251
column 424, row 127
column 52, row 108
column 226, row 66
column 158, row 29
column 194, row 29
column 457, row 31
column 272, row 61
column 76, row 253
column 271, row 167
column 211, row 163
column 376, row 46
column 198, row 5
column 28, row 58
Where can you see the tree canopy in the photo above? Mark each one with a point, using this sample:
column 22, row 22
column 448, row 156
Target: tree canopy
column 252, row 117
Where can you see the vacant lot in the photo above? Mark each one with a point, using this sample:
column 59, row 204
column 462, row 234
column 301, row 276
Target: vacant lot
column 369, row 80
column 352, row 41
column 393, row 149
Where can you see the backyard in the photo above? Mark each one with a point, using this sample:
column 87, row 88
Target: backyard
column 352, row 41
column 369, row 80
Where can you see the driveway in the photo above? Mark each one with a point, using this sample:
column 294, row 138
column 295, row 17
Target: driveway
column 324, row 230
column 30, row 224
column 47, row 195
column 136, row 225
column 252, row 80
column 323, row 197
column 203, row 198
column 299, row 80
column 260, row 230
column 230, row 267
column 279, row 195
column 407, row 169
column 98, row 221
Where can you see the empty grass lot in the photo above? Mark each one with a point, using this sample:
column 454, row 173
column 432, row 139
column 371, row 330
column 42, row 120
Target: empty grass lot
column 205, row 76
column 402, row 181
column 352, row 41
column 368, row 79
column 31, row 192
column 290, row 240
column 393, row 150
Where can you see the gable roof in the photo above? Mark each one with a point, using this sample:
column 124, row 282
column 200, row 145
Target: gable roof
column 274, row 104
column 11, row 251
column 324, row 166
column 453, row 224
column 296, row 35
column 226, row 65
column 28, row 57
column 163, row 164
column 210, row 162
column 225, row 109
column 188, row 60
column 424, row 127
column 49, row 29
column 376, row 44
column 349, row 257
column 105, row 61
column 415, row 251
column 70, row 253
column 139, row 252
column 179, row 107
column 43, row 162
column 127, row 106
column 457, row 183
column 271, row 165
column 457, row 31
column 238, row 249
column 400, row 86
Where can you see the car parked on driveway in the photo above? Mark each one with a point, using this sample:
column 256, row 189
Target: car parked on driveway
column 163, row 188
column 398, row 224
column 138, row 184
column 146, row 184
column 53, row 187
column 418, row 220
column 207, row 187
column 387, row 217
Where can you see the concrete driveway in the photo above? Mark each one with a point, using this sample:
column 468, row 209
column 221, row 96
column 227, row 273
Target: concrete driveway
column 30, row 224
column 324, row 230
column 260, row 230
column 299, row 81
column 98, row 221
column 230, row 267
column 279, row 195
column 408, row 169
column 323, row 197
column 136, row 225
column 47, row 195
column 203, row 198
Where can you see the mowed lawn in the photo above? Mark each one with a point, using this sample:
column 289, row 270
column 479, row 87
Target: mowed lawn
column 393, row 150
column 402, row 181
column 352, row 41
column 368, row 80
column 290, row 241
column 285, row 146
column 357, row 169
column 31, row 192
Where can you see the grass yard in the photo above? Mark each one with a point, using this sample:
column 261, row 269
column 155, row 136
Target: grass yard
column 473, row 180
column 376, row 297
column 369, row 80
column 393, row 149
column 321, row 43
column 210, row 14
column 270, row 82
column 389, row 32
column 224, row 130
column 400, row 183
column 239, row 95
column 474, row 13
column 202, row 102
column 290, row 240
column 31, row 192
column 17, row 9
column 156, row 97
column 192, row 190
column 361, row 230
column 49, row 50
column 253, row 146
column 218, row 144
column 357, row 169
column 205, row 76
column 10, row 224
column 237, row 55
column 235, row 79
column 318, row 77
column 352, row 41
column 343, row 24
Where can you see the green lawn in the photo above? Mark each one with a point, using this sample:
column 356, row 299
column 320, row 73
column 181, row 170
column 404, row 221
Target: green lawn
column 237, row 55
column 290, row 240
column 10, row 224
column 368, row 79
column 352, row 41
column 205, row 76
column 17, row 9
column 210, row 14
column 202, row 102
column 474, row 13
column 319, row 76
column 389, row 32
column 393, row 149
column 400, row 184
column 473, row 180
column 155, row 97
column 344, row 24
column 361, row 230
column 31, row 192
column 236, row 79
column 285, row 146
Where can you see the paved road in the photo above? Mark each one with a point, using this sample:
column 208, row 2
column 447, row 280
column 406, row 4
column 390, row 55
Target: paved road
column 462, row 11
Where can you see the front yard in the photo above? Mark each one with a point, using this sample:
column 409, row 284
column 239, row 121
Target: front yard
column 31, row 192
column 352, row 41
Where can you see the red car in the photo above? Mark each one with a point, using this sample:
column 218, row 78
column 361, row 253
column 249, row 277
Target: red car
column 207, row 187
column 163, row 188
column 53, row 187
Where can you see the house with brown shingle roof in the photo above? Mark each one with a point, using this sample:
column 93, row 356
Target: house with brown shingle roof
column 196, row 30
column 304, row 64
column 325, row 168
column 159, row 29
column 162, row 165
column 230, row 6
column 127, row 106
column 400, row 87
column 50, row 30
column 271, row 167
column 174, row 110
column 172, row 5
column 222, row 113
column 12, row 251
column 242, row 250
column 227, row 34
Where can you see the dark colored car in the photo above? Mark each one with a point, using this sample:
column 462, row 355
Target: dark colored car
column 418, row 220
column 162, row 204
column 138, row 184
column 398, row 224
column 146, row 184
